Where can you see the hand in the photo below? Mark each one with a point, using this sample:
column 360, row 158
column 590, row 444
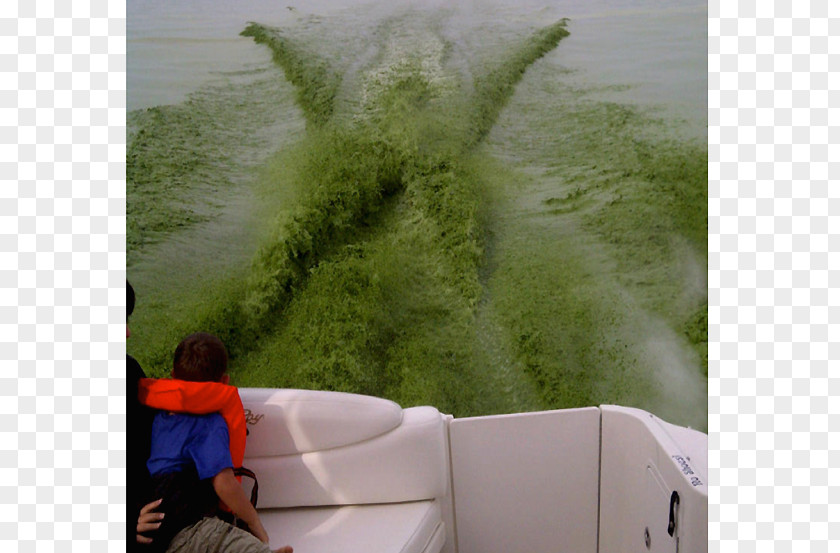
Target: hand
column 148, row 520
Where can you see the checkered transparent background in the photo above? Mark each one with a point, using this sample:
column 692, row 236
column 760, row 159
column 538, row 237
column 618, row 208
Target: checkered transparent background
column 773, row 123
column 62, row 301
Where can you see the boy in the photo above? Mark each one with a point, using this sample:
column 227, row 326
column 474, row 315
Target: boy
column 191, row 466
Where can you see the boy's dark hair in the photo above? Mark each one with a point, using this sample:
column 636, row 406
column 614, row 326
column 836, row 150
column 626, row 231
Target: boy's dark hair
column 200, row 357
column 129, row 299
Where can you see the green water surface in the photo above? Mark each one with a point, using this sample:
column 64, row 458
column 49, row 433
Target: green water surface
column 409, row 218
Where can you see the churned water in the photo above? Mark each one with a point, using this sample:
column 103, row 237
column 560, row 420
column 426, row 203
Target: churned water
column 485, row 206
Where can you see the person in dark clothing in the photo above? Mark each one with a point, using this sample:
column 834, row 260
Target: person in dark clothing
column 142, row 519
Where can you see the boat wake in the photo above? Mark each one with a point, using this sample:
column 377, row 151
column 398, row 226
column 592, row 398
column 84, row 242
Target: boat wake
column 391, row 247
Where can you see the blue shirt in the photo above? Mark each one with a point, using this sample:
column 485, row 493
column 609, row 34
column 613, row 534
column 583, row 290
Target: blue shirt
column 181, row 441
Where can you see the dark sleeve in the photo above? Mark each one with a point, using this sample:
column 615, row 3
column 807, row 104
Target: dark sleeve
column 138, row 439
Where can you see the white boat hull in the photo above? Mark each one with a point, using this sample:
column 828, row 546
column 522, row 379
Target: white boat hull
column 350, row 473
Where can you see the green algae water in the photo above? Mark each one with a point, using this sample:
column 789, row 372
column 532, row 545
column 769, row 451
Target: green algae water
column 436, row 205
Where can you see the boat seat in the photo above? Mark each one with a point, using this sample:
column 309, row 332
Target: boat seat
column 347, row 473
column 414, row 527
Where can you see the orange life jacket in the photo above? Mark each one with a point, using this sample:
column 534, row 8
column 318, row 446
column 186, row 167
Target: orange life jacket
column 199, row 398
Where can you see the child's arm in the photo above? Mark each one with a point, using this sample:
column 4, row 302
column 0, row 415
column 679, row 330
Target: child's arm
column 230, row 491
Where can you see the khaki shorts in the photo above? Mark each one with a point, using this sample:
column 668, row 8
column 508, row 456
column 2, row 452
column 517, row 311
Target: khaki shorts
column 212, row 535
